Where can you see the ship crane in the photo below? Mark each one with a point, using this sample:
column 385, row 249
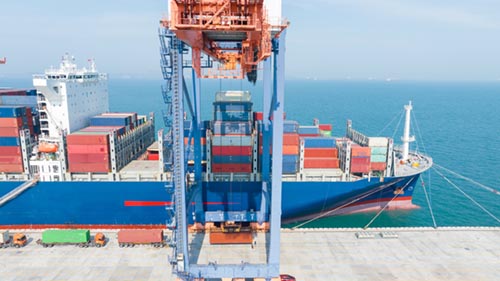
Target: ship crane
column 226, row 39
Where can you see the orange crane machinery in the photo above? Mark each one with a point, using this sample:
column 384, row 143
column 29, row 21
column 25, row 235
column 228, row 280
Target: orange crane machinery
column 235, row 33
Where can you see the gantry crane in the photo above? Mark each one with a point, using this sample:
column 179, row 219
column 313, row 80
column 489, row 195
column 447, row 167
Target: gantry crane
column 227, row 39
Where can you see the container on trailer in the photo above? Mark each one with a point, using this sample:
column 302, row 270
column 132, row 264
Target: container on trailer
column 231, row 238
column 62, row 236
column 4, row 237
column 130, row 237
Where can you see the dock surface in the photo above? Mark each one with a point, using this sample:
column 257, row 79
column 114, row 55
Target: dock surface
column 316, row 254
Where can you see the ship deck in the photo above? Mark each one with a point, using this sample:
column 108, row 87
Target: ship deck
column 320, row 254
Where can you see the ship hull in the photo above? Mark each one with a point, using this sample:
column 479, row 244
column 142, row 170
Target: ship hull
column 142, row 204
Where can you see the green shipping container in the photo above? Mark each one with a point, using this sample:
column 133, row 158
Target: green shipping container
column 378, row 150
column 55, row 236
column 378, row 158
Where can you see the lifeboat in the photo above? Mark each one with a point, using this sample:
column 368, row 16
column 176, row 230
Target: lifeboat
column 47, row 147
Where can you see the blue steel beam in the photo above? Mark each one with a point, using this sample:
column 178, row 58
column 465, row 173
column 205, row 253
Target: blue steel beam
column 266, row 124
column 279, row 94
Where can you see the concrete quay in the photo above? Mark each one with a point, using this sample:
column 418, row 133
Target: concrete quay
column 451, row 253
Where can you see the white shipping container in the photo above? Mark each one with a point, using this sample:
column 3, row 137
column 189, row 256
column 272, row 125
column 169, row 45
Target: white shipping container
column 4, row 237
column 378, row 141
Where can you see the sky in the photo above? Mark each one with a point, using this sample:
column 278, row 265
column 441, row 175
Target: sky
column 326, row 40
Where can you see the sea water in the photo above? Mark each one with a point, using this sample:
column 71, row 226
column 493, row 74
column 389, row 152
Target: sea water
column 456, row 123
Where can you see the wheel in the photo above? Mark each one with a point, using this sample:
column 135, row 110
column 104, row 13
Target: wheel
column 98, row 245
column 120, row 245
column 45, row 245
column 17, row 245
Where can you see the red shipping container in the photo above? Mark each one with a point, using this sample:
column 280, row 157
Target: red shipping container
column 140, row 236
column 325, row 127
column 231, row 150
column 87, row 139
column 361, row 151
column 9, row 132
column 11, row 168
column 153, row 156
column 290, row 150
column 88, row 158
column 12, row 122
column 377, row 166
column 360, row 161
column 10, row 150
column 231, row 238
column 321, row 152
column 89, row 167
column 290, row 139
column 231, row 168
column 321, row 163
column 258, row 116
column 359, row 168
column 96, row 148
column 11, row 159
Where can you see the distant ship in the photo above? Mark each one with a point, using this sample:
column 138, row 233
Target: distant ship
column 66, row 161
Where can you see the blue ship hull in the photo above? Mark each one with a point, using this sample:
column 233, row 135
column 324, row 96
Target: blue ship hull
column 120, row 204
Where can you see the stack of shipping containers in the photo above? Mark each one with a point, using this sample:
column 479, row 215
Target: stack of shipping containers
column 89, row 149
column 232, row 129
column 15, row 115
column 320, row 153
column 360, row 159
column 291, row 147
column 378, row 158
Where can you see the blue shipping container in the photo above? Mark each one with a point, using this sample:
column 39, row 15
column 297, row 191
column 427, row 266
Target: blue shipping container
column 9, row 141
column 308, row 130
column 232, row 140
column 319, row 142
column 290, row 126
column 9, row 111
column 290, row 168
column 233, row 159
column 109, row 121
column 290, row 158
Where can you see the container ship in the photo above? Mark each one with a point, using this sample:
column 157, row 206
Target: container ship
column 66, row 161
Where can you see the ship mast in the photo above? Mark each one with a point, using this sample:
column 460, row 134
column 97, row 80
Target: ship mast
column 406, row 138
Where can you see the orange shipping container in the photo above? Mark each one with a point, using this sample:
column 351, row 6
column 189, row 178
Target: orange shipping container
column 9, row 132
column 85, row 139
column 360, row 151
column 10, row 150
column 11, row 159
column 377, row 166
column 321, row 152
column 79, row 148
column 321, row 163
column 11, row 168
column 12, row 122
column 291, row 139
column 231, row 238
column 89, row 167
column 290, row 150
